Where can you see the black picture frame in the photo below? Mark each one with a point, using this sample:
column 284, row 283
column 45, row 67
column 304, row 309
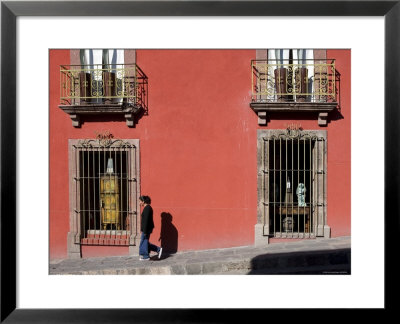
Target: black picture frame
column 10, row 10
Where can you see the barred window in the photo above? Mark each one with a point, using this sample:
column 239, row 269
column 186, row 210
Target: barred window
column 293, row 184
column 105, row 191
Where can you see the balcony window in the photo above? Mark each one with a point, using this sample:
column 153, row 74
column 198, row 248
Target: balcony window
column 103, row 84
column 293, row 81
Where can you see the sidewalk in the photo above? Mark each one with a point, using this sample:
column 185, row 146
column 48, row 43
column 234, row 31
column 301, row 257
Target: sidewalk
column 315, row 256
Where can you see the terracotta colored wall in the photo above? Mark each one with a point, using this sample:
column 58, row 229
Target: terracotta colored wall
column 197, row 145
column 339, row 154
column 198, row 149
column 58, row 160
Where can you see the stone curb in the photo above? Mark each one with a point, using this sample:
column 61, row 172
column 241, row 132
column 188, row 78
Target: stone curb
column 275, row 258
column 271, row 263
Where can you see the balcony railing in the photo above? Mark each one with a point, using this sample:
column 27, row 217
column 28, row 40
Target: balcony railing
column 100, row 84
column 312, row 81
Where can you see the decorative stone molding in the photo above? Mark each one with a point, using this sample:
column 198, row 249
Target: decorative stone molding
column 262, row 230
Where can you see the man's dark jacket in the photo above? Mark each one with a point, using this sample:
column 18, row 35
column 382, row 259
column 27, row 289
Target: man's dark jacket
column 146, row 223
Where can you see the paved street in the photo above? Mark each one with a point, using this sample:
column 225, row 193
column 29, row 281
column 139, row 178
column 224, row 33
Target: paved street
column 314, row 256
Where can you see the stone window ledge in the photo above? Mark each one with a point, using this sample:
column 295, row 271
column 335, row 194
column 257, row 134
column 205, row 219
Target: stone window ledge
column 76, row 111
column 263, row 109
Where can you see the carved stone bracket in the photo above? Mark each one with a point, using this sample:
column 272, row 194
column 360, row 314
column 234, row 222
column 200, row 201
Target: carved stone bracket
column 323, row 119
column 262, row 118
column 76, row 120
column 130, row 120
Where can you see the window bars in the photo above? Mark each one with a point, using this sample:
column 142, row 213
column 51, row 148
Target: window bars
column 105, row 179
column 294, row 171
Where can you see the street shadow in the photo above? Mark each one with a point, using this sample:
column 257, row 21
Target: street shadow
column 322, row 262
column 168, row 235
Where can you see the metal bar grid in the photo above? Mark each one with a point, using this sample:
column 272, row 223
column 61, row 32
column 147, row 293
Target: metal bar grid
column 291, row 204
column 103, row 193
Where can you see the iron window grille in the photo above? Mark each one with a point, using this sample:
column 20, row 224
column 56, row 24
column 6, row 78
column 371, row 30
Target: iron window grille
column 293, row 184
column 104, row 180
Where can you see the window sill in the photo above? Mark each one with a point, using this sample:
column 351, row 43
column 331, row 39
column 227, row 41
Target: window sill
column 104, row 241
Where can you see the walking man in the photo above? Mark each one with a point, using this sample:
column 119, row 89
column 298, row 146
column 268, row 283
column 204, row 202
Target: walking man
column 146, row 227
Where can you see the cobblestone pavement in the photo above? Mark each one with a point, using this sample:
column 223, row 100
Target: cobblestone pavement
column 314, row 256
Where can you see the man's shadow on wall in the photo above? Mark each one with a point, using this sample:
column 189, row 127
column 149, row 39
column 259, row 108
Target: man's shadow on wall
column 168, row 235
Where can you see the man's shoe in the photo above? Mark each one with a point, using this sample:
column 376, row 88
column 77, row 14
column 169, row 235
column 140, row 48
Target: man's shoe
column 144, row 259
column 159, row 253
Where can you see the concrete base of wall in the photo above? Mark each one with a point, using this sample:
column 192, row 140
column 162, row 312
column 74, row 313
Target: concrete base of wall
column 259, row 238
column 324, row 230
column 134, row 250
column 327, row 231
column 74, row 250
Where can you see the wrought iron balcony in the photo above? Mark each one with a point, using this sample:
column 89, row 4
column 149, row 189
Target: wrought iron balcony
column 310, row 86
column 103, row 89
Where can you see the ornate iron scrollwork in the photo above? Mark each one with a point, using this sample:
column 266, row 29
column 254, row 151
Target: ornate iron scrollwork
column 86, row 143
column 293, row 131
column 104, row 140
